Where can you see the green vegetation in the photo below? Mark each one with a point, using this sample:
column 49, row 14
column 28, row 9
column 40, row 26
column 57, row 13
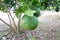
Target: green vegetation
column 29, row 23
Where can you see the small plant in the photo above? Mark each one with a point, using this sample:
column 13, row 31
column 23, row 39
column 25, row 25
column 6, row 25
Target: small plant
column 31, row 10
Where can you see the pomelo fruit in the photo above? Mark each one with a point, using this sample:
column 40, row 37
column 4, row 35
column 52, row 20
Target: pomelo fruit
column 36, row 14
column 57, row 9
column 29, row 23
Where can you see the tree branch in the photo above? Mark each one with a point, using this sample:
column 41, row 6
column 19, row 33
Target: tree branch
column 9, row 19
column 12, row 19
column 9, row 13
column 19, row 22
column 5, row 23
column 8, row 25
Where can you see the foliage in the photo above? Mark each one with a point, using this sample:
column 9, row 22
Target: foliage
column 24, row 5
column 30, row 8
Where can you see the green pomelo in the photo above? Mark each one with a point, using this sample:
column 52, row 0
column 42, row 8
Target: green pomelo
column 29, row 23
column 57, row 9
column 36, row 14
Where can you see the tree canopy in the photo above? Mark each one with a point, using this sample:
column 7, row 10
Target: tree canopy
column 24, row 6
column 27, row 6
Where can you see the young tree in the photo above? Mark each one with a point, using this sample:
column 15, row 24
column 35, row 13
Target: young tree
column 31, row 10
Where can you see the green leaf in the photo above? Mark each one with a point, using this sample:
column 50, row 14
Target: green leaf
column 9, row 3
column 17, row 12
column 20, row 0
column 2, row 8
column 35, row 3
column 21, row 9
column 29, row 12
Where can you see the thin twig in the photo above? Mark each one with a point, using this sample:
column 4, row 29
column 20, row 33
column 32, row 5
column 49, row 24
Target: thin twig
column 12, row 19
column 19, row 22
column 8, row 25
column 9, row 19
column 5, row 23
